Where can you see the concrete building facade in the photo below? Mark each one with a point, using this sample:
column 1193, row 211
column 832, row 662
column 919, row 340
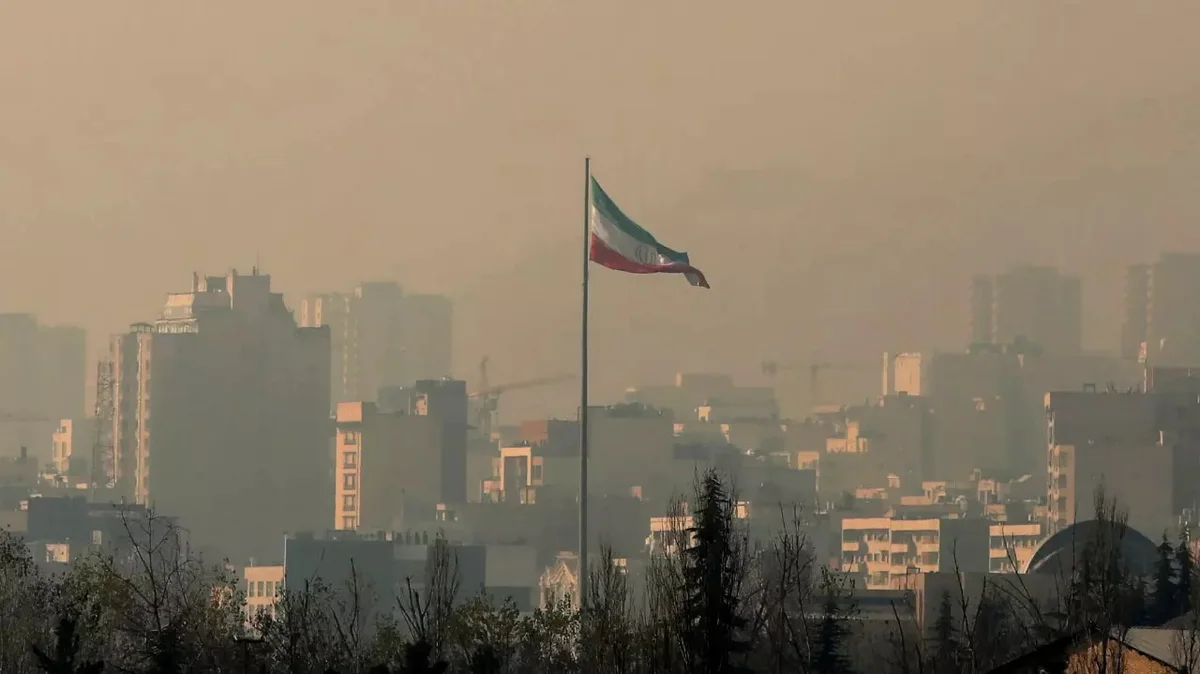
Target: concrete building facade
column 383, row 563
column 221, row 414
column 70, row 442
column 1037, row 304
column 879, row 549
column 1118, row 440
column 410, row 460
column 427, row 331
column 1161, row 312
column 263, row 586
column 43, row 373
column 987, row 404
column 381, row 338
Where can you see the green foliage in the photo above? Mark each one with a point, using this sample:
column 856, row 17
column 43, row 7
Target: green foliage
column 1165, row 597
column 830, row 647
column 66, row 652
column 947, row 649
column 714, row 605
column 711, row 575
column 994, row 637
column 1185, row 571
column 418, row 659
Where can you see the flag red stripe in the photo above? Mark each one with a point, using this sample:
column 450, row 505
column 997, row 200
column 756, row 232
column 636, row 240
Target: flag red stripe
column 604, row 256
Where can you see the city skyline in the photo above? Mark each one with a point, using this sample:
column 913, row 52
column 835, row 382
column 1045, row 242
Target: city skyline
column 318, row 264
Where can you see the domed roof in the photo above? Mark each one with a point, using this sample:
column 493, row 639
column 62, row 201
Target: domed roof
column 1064, row 549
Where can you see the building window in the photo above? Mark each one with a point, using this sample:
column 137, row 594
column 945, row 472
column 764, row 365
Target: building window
column 349, row 459
column 348, row 523
column 261, row 591
column 351, row 438
column 249, row 588
column 349, row 502
column 537, row 471
column 350, row 481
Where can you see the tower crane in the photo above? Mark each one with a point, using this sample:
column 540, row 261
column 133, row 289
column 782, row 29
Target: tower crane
column 8, row 417
column 815, row 366
column 487, row 397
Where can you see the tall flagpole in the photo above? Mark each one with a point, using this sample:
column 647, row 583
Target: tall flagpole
column 583, row 388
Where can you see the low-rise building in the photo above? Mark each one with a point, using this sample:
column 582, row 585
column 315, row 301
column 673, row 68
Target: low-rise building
column 263, row 586
column 1011, row 545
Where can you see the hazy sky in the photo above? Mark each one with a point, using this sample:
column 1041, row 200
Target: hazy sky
column 838, row 169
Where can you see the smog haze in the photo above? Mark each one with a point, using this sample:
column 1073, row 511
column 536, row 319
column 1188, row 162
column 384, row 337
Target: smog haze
column 839, row 170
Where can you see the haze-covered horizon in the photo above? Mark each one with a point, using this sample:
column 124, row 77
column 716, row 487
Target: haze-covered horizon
column 838, row 170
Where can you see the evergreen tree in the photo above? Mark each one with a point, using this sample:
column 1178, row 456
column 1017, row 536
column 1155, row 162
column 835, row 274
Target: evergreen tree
column 711, row 576
column 486, row 661
column 829, row 647
column 1165, row 595
column 1138, row 606
column 1185, row 569
column 66, row 652
column 994, row 639
column 166, row 652
column 418, row 659
column 945, row 635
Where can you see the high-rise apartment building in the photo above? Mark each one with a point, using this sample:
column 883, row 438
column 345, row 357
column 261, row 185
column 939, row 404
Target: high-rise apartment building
column 1161, row 311
column 1136, row 310
column 331, row 310
column 1127, row 442
column 1035, row 304
column 427, row 327
column 388, row 462
column 987, row 405
column 382, row 338
column 982, row 301
column 43, row 375
column 221, row 414
column 374, row 353
column 63, row 353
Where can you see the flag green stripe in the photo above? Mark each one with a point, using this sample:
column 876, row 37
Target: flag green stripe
column 611, row 212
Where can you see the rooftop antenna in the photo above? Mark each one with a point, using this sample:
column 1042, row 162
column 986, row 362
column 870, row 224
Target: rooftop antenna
column 257, row 266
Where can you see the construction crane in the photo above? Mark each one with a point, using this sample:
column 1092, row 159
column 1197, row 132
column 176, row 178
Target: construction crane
column 814, row 366
column 487, row 397
column 103, row 461
column 7, row 417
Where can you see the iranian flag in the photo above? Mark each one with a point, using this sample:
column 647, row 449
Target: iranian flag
column 619, row 243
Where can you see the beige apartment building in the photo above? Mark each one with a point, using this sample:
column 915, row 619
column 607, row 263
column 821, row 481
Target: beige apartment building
column 878, row 549
column 263, row 586
column 221, row 415
column 519, row 471
column 385, row 461
column 388, row 463
column 670, row 533
column 1011, row 545
column 70, row 438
